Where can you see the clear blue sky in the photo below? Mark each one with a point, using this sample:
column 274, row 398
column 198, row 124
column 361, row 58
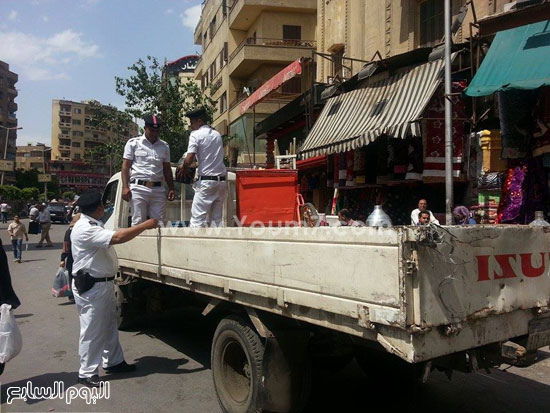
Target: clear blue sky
column 73, row 49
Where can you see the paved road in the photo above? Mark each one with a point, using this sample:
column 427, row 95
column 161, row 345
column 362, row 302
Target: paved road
column 173, row 363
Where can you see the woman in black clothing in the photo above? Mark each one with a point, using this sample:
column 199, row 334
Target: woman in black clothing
column 7, row 295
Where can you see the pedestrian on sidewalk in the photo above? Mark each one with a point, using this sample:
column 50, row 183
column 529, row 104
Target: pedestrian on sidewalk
column 45, row 222
column 17, row 231
column 4, row 210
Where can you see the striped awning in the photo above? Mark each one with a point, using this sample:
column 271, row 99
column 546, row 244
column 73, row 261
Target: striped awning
column 390, row 107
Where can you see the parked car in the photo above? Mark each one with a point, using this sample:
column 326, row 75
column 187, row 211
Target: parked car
column 58, row 213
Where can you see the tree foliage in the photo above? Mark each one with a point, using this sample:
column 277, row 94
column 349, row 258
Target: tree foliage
column 109, row 118
column 147, row 90
column 10, row 192
column 29, row 193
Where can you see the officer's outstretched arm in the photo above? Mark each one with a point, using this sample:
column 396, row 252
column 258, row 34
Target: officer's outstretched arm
column 126, row 234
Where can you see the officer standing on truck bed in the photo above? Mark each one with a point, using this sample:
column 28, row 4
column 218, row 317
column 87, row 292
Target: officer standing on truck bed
column 206, row 144
column 146, row 164
column 94, row 268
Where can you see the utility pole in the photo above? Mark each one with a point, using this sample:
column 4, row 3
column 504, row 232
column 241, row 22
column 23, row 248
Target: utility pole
column 448, row 119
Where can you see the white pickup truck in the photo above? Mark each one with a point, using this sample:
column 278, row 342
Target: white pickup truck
column 452, row 297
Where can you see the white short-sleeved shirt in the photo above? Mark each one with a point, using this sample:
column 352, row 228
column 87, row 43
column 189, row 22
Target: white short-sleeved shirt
column 414, row 217
column 90, row 245
column 4, row 207
column 207, row 144
column 147, row 158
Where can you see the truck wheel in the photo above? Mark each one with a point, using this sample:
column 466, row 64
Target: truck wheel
column 237, row 353
column 127, row 309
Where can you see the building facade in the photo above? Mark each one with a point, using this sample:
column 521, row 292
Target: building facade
column 8, row 118
column 245, row 43
column 31, row 156
column 73, row 137
column 353, row 32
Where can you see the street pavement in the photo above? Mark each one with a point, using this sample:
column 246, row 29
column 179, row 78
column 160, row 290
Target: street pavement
column 173, row 360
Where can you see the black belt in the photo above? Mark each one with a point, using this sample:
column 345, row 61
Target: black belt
column 100, row 280
column 148, row 184
column 211, row 178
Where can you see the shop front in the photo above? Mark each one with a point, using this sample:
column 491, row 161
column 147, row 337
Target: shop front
column 513, row 83
column 382, row 143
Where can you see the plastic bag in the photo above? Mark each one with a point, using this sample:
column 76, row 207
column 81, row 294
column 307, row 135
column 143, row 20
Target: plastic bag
column 10, row 336
column 61, row 286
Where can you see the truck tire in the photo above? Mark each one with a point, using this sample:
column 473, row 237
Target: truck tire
column 237, row 354
column 127, row 309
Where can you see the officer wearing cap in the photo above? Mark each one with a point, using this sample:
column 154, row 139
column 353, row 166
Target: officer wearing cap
column 94, row 268
column 206, row 145
column 146, row 164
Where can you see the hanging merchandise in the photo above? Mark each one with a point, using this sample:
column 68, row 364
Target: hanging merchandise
column 512, row 196
column 434, row 163
column 342, row 170
column 414, row 159
column 336, row 171
column 350, row 155
column 330, row 171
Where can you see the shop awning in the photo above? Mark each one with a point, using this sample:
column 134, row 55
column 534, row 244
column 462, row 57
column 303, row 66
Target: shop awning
column 386, row 107
column 292, row 70
column 517, row 59
column 310, row 163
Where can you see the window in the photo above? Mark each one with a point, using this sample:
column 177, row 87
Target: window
column 77, row 156
column 223, row 102
column 109, row 198
column 226, row 51
column 77, row 122
column 1, row 81
column 212, row 27
column 78, row 133
column 77, row 110
column 76, row 144
column 338, row 62
column 292, row 32
column 431, row 22
column 64, row 131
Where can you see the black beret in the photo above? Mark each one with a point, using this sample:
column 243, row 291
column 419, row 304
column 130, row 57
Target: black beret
column 153, row 121
column 196, row 113
column 89, row 199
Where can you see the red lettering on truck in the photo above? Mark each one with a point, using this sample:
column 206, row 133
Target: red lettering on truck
column 502, row 265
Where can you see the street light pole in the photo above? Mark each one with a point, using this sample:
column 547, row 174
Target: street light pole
column 44, row 171
column 6, row 145
column 448, row 119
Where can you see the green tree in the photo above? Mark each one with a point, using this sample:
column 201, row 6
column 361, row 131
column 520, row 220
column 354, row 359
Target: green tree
column 147, row 90
column 27, row 179
column 68, row 195
column 108, row 117
column 10, row 192
column 29, row 193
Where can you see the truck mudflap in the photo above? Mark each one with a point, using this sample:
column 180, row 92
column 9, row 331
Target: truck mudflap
column 471, row 272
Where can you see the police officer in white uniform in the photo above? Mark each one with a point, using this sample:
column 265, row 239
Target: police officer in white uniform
column 206, row 145
column 146, row 164
column 94, row 268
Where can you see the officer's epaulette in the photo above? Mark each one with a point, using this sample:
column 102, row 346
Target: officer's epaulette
column 93, row 223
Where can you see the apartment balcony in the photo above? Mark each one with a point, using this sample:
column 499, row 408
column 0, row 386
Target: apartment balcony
column 12, row 106
column 12, row 91
column 65, row 124
column 255, row 51
column 64, row 113
column 64, row 147
column 243, row 13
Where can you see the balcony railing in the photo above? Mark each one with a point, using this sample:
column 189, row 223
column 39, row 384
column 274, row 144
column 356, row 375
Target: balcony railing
column 64, row 113
column 263, row 41
column 66, row 124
